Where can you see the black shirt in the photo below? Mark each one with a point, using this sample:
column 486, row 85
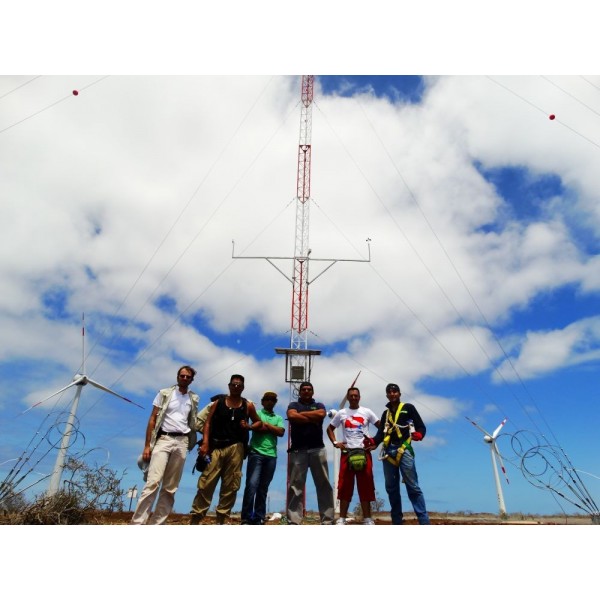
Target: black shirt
column 225, row 427
column 304, row 436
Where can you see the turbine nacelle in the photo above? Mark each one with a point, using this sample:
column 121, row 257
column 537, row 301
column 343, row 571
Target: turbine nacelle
column 80, row 379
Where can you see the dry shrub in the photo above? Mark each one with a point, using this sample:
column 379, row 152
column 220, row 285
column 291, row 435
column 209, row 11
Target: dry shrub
column 86, row 492
column 62, row 508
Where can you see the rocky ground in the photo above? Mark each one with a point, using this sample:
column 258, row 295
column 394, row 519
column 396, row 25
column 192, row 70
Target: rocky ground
column 382, row 519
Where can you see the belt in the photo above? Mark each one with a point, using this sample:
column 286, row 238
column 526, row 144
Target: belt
column 220, row 444
column 171, row 433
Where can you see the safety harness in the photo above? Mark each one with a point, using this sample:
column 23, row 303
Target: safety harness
column 394, row 454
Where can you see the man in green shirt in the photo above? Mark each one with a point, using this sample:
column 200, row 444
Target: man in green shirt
column 262, row 460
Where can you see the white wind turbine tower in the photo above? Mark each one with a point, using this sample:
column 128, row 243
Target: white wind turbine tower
column 491, row 440
column 80, row 380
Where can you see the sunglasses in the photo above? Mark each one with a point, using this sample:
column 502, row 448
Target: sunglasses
column 236, row 384
column 186, row 377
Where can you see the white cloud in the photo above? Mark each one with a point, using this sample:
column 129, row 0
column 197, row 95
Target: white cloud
column 543, row 352
column 119, row 163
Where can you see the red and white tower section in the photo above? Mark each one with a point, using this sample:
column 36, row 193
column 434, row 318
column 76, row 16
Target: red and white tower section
column 299, row 326
column 298, row 357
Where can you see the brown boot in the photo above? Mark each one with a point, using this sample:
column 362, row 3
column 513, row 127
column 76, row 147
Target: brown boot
column 195, row 519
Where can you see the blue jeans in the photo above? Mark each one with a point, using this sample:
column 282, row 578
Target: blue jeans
column 259, row 473
column 408, row 471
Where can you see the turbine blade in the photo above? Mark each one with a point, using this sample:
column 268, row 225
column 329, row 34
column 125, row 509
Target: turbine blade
column 478, row 427
column 52, row 395
column 83, row 343
column 501, row 463
column 497, row 430
column 345, row 398
column 105, row 389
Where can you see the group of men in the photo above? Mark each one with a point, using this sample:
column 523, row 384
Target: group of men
column 233, row 430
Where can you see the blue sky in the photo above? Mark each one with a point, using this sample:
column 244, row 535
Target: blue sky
column 480, row 299
column 92, row 184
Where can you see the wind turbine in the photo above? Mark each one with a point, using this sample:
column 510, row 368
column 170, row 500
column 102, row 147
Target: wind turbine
column 336, row 455
column 491, row 440
column 79, row 381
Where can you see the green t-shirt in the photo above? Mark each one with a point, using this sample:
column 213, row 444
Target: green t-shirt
column 265, row 442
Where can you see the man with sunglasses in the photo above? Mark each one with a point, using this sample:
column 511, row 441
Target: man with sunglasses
column 170, row 434
column 262, row 461
column 225, row 439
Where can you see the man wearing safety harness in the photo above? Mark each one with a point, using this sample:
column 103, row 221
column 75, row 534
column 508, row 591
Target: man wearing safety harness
column 400, row 425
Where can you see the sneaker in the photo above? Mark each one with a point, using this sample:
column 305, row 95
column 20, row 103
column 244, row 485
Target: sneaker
column 368, row 522
column 341, row 521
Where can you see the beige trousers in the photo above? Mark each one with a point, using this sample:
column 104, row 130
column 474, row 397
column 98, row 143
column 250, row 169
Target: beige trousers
column 166, row 466
column 225, row 465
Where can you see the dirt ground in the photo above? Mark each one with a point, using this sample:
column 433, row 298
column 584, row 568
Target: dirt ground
column 381, row 519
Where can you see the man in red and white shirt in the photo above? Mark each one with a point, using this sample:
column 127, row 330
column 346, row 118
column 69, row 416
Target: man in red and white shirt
column 354, row 421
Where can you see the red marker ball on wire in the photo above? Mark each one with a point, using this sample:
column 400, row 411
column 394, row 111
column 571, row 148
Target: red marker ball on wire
column 552, row 117
column 75, row 93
